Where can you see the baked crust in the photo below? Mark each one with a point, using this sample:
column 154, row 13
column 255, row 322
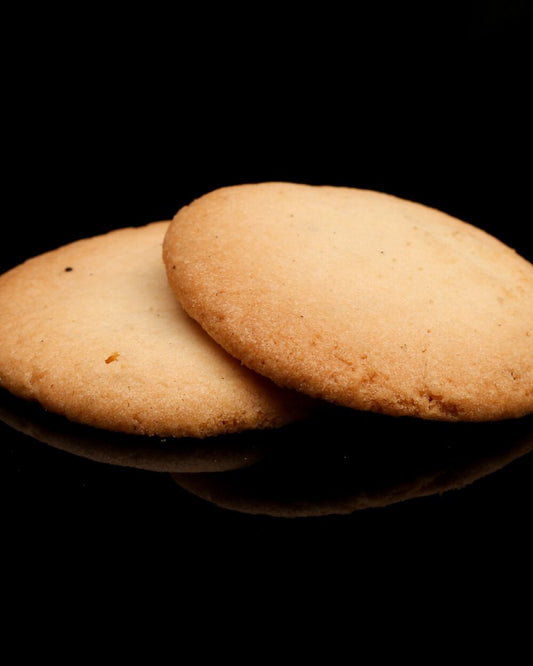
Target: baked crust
column 359, row 298
column 93, row 331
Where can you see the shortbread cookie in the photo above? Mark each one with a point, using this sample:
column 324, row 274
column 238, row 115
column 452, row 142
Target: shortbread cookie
column 360, row 298
column 93, row 332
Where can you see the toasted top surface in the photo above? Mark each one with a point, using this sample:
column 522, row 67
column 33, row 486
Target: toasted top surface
column 93, row 331
column 360, row 298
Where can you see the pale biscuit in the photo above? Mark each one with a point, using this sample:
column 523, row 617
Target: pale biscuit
column 359, row 298
column 93, row 332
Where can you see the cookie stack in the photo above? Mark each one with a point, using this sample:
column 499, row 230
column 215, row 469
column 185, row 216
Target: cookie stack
column 257, row 302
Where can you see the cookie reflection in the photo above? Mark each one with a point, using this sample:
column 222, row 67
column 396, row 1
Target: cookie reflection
column 214, row 454
column 344, row 461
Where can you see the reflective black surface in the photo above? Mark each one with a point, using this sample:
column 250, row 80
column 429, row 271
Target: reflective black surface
column 333, row 472
column 443, row 119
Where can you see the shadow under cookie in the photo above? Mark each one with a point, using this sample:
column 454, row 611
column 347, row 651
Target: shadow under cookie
column 152, row 453
column 343, row 461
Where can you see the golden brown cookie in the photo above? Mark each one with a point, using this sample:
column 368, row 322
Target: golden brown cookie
column 359, row 298
column 93, row 331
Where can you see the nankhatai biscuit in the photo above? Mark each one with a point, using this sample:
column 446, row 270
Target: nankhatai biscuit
column 359, row 298
column 93, row 332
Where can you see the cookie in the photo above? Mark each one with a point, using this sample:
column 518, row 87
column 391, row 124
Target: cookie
column 92, row 331
column 359, row 298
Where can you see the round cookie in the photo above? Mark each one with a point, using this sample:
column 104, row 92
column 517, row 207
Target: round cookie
column 93, row 332
column 360, row 298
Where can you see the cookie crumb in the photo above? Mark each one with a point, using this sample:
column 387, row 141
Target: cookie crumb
column 114, row 356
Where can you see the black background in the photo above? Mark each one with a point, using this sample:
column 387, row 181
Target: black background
column 118, row 120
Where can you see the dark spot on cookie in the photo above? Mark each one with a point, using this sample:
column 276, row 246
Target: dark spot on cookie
column 68, row 269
